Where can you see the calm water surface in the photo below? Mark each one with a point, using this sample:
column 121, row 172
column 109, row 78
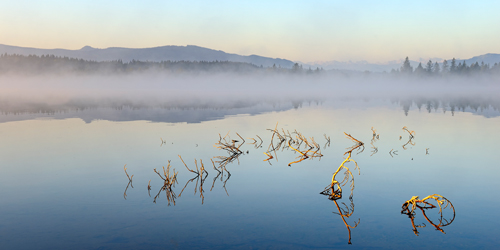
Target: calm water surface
column 63, row 184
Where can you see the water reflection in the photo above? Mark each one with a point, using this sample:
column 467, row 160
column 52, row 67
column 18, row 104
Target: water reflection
column 445, row 213
column 305, row 148
column 158, row 111
column 201, row 176
column 221, row 174
column 375, row 138
column 345, row 212
column 129, row 182
column 475, row 105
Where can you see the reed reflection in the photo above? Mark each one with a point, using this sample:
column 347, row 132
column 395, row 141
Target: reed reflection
column 445, row 213
column 201, row 176
column 345, row 212
column 375, row 138
column 129, row 182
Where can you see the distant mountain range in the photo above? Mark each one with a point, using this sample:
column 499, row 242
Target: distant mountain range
column 156, row 54
column 381, row 67
column 196, row 53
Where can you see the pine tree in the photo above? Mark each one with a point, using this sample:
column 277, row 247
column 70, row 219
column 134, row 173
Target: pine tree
column 436, row 68
column 419, row 70
column 453, row 66
column 445, row 67
column 428, row 67
column 406, row 68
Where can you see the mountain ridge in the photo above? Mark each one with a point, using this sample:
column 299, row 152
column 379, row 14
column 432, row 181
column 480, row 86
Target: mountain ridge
column 197, row 53
column 155, row 54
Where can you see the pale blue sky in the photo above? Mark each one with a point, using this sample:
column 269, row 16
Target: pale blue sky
column 376, row 31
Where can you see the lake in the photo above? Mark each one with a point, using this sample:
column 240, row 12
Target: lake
column 63, row 183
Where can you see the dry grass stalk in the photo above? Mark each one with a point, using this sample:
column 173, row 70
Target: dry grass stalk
column 129, row 177
column 231, row 148
column 334, row 190
column 375, row 137
column 410, row 138
column 169, row 181
column 256, row 143
column 424, row 205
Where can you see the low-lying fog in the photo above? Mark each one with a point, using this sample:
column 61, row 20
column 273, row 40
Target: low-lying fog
column 20, row 94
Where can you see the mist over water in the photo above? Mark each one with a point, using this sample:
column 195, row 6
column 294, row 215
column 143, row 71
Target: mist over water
column 231, row 90
column 67, row 175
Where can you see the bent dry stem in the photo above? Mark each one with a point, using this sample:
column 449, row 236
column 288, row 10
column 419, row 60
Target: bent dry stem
column 348, row 176
column 425, row 205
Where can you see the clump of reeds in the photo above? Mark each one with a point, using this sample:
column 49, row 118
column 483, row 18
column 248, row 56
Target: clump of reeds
column 169, row 181
column 284, row 139
column 231, row 146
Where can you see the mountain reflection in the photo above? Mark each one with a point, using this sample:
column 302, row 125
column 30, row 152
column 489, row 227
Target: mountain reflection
column 173, row 112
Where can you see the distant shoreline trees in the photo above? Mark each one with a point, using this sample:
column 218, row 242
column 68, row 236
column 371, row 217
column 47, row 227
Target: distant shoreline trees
column 435, row 69
column 50, row 64
column 33, row 64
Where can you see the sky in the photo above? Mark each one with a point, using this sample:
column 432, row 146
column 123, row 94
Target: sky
column 306, row 31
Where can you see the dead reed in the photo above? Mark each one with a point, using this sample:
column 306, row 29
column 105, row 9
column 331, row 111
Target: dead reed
column 425, row 205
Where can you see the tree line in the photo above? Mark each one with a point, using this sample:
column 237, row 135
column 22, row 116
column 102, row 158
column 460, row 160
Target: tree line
column 33, row 64
column 447, row 68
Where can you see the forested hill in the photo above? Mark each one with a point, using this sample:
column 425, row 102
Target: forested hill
column 156, row 54
column 50, row 64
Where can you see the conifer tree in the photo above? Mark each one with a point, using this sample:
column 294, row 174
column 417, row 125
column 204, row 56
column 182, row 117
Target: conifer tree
column 445, row 67
column 406, row 68
column 436, row 69
column 428, row 67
